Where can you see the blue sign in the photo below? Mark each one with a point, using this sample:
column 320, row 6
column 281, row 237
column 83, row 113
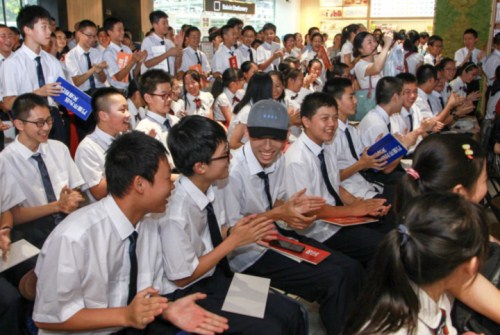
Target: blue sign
column 74, row 100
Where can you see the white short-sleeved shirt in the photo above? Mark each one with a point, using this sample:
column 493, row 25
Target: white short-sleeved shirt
column 366, row 82
column 429, row 59
column 372, row 125
column 2, row 59
column 184, row 231
column 24, row 170
column 19, row 75
column 435, row 99
column 303, row 171
column 413, row 61
column 295, row 99
column 110, row 55
column 226, row 99
column 177, row 107
column 136, row 114
column 491, row 106
column 220, row 61
column 155, row 121
column 244, row 194
column 460, row 55
column 189, row 59
column 400, row 122
column 458, row 87
column 85, row 263
column 356, row 184
column 90, row 157
column 243, row 53
column 346, row 50
column 424, row 104
column 265, row 51
column 207, row 101
column 151, row 44
column 10, row 195
column 490, row 65
column 76, row 64
column 241, row 117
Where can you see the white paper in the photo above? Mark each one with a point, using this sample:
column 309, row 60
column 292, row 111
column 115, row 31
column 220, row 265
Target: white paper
column 19, row 252
column 247, row 295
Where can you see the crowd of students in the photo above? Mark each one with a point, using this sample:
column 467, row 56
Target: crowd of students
column 187, row 169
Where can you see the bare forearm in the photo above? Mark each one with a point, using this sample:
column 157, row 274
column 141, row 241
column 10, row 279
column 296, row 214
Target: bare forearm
column 27, row 214
column 156, row 60
column 90, row 319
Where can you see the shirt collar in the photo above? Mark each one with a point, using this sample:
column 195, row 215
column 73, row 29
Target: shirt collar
column 342, row 125
column 25, row 152
column 105, row 137
column 201, row 199
column 226, row 49
column 229, row 94
column 382, row 113
column 118, row 219
column 311, row 145
column 430, row 311
column 80, row 50
column 253, row 163
column 156, row 117
column 31, row 54
column 114, row 46
column 405, row 112
column 157, row 37
column 192, row 97
column 496, row 52
column 267, row 45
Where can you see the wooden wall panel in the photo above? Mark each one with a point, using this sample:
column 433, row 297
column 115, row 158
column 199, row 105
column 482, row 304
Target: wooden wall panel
column 84, row 9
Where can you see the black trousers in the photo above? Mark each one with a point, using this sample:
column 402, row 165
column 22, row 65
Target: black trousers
column 281, row 317
column 357, row 242
column 333, row 283
column 10, row 308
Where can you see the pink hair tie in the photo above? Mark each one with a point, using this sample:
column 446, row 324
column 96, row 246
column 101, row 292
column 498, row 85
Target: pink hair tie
column 413, row 173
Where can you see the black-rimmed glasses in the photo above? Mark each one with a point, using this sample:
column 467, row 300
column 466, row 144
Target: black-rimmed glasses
column 40, row 123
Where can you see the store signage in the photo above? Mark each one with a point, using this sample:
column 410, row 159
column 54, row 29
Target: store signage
column 224, row 6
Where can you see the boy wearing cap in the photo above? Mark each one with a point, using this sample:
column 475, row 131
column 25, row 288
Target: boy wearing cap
column 194, row 245
column 256, row 186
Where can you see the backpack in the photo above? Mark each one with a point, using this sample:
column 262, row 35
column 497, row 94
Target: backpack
column 464, row 318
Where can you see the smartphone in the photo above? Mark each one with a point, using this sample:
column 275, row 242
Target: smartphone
column 287, row 245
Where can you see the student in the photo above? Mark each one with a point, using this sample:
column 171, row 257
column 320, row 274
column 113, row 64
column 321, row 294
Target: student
column 269, row 54
column 259, row 88
column 162, row 53
column 196, row 101
column 84, row 63
column 34, row 70
column 226, row 51
column 493, row 61
column 412, row 58
column 312, row 54
column 120, row 77
column 299, row 43
column 229, row 91
column 311, row 164
column 248, row 68
column 115, row 236
column 278, row 92
column 177, row 106
column 6, row 43
column 434, row 49
column 422, row 45
column 194, row 230
column 102, row 39
column 112, row 117
column 466, row 75
column 155, row 87
column 191, row 55
column 289, row 46
column 333, row 282
column 346, row 50
column 295, row 91
column 314, row 80
column 469, row 53
column 136, row 104
column 442, row 232
column 245, row 52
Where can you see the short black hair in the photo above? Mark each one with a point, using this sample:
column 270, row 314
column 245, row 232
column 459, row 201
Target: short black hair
column 99, row 100
column 151, row 78
column 424, row 34
column 110, row 22
column 190, row 30
column 269, row 26
column 425, row 73
column 194, row 139
column 28, row 16
column 25, row 103
column 311, row 30
column 248, row 28
column 336, row 87
column 433, row 39
column 234, row 21
column 156, row 16
column 225, row 29
column 471, row 31
column 386, row 88
column 407, row 78
column 315, row 101
column 129, row 155
column 496, row 39
column 86, row 23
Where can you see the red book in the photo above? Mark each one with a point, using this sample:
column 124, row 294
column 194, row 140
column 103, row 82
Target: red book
column 123, row 59
column 350, row 220
column 309, row 254
column 233, row 62
column 324, row 58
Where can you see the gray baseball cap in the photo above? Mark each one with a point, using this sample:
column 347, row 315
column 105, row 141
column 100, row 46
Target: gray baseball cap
column 268, row 118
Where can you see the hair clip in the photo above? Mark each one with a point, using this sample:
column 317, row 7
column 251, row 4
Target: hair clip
column 405, row 234
column 468, row 151
column 413, row 173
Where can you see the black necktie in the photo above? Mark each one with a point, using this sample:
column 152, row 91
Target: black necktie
column 389, row 127
column 262, row 175
column 329, row 186
column 351, row 144
column 39, row 72
column 47, row 184
column 430, row 106
column 250, row 53
column 198, row 57
column 410, row 118
column 132, row 285
column 216, row 238
column 162, row 42
column 442, row 102
column 167, row 124
column 89, row 64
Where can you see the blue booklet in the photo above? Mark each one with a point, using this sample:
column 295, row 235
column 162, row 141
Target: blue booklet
column 74, row 99
column 391, row 148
